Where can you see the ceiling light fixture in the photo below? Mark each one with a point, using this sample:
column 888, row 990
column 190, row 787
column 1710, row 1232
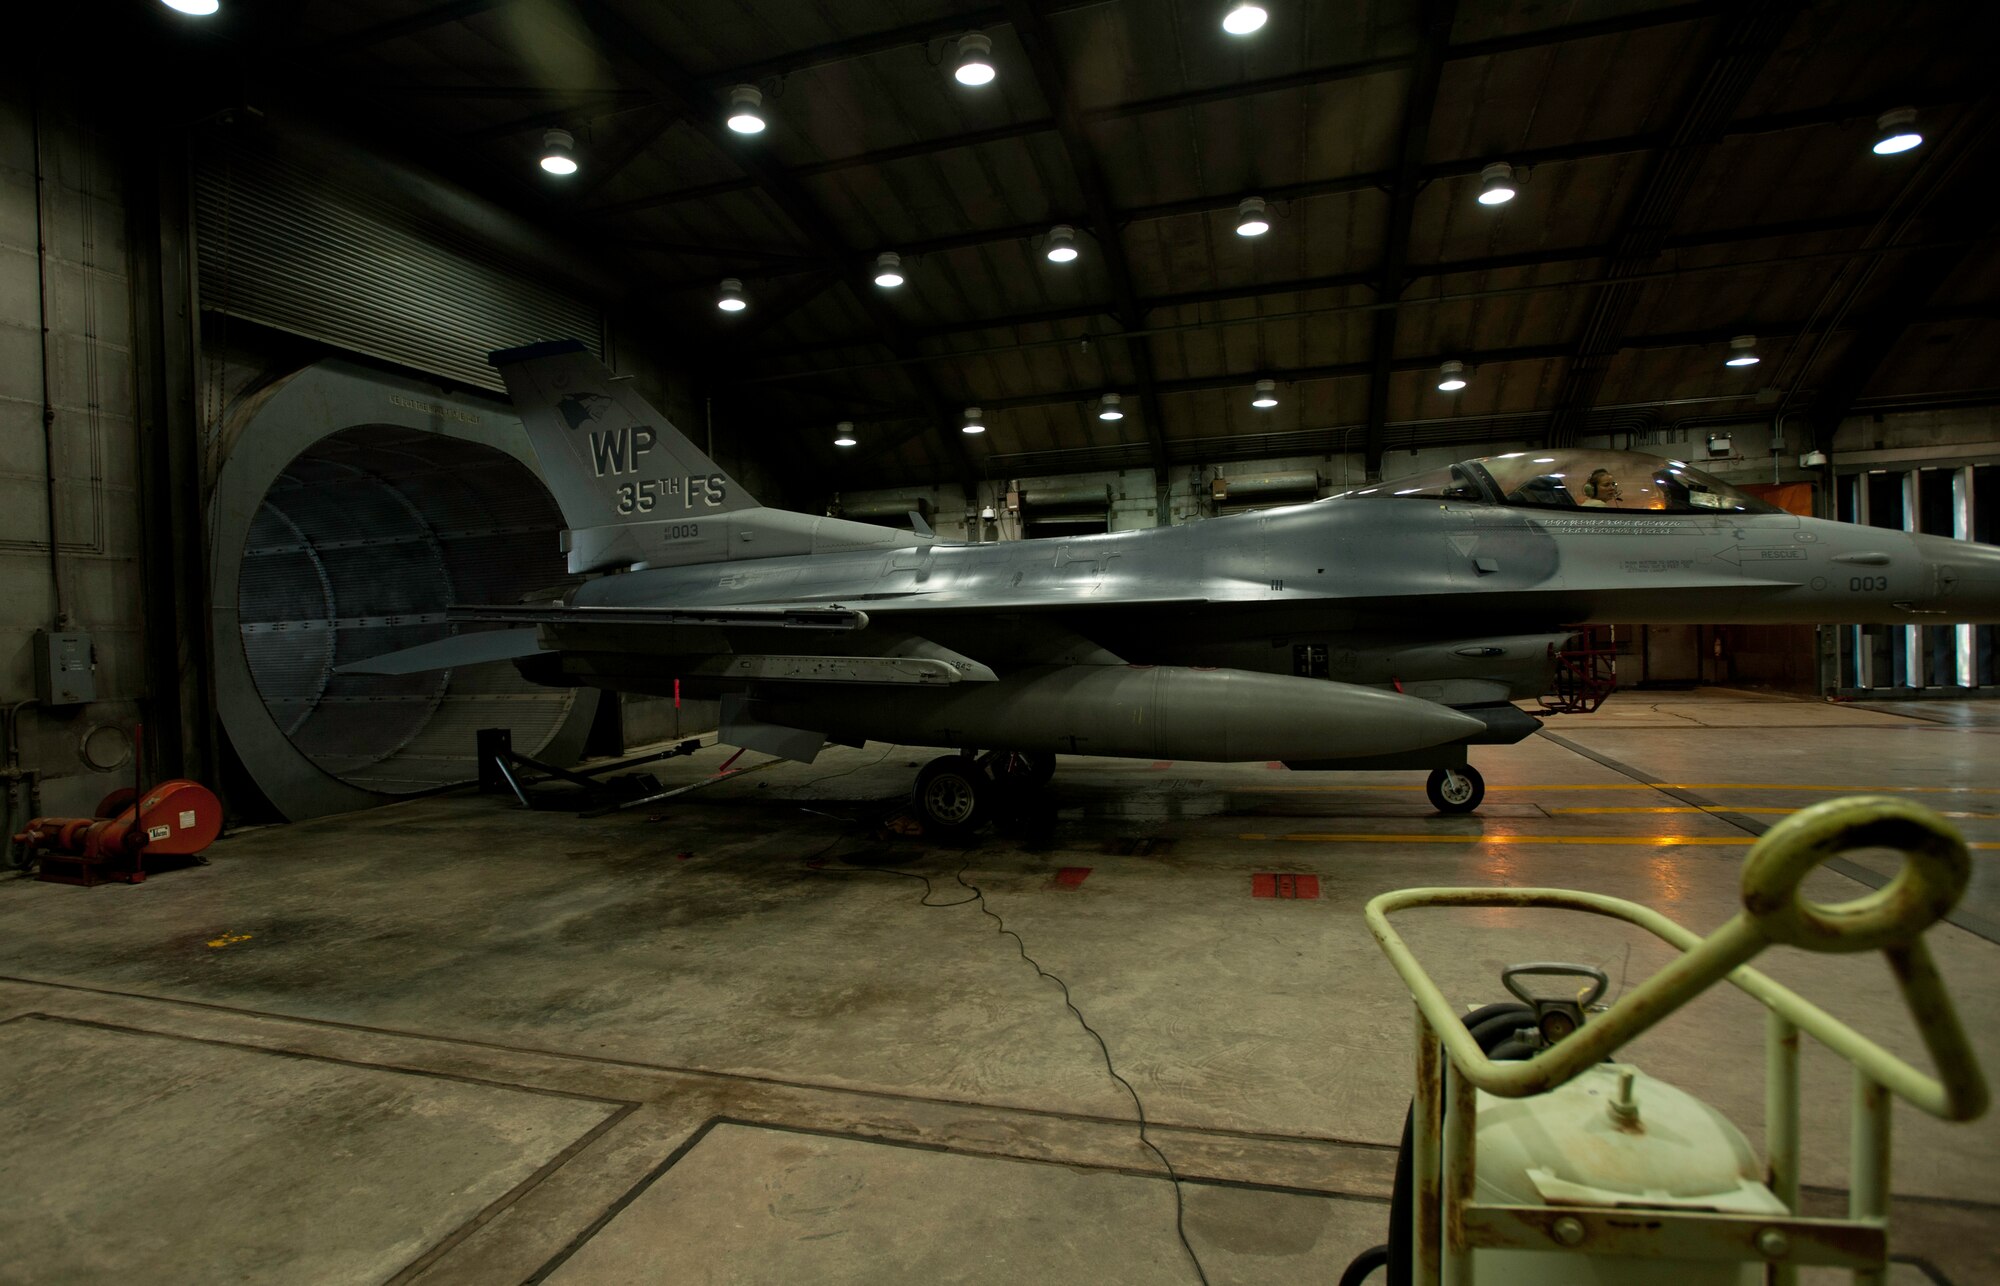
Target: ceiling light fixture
column 1243, row 18
column 1742, row 351
column 973, row 422
column 888, row 270
column 1451, row 376
column 1496, row 184
column 1266, row 396
column 559, row 152
column 194, row 8
column 1108, row 408
column 975, row 60
column 1899, row 131
column 1251, row 218
column 1062, row 244
column 843, row 434
column 746, row 114
column 730, row 299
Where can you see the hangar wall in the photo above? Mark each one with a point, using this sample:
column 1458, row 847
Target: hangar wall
column 66, row 396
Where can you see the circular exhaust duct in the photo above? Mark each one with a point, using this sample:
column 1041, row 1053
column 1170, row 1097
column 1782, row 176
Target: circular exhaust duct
column 354, row 508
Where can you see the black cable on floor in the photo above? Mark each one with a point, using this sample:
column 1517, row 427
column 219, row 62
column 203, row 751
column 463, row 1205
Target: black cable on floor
column 976, row 894
column 1180, row 1205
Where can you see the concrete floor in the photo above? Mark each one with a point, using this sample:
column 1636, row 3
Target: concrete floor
column 728, row 1041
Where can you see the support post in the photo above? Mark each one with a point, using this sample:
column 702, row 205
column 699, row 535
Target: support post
column 1868, row 1180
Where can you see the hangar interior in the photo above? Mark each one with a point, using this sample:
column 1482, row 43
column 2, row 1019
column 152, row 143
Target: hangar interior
column 1022, row 271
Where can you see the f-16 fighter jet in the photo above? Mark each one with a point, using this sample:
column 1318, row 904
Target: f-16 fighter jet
column 1423, row 608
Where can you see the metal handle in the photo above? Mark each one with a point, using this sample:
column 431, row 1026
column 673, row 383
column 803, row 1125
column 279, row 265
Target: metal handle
column 1936, row 867
column 1556, row 968
column 1893, row 919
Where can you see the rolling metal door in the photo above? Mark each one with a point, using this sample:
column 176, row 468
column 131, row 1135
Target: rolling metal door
column 292, row 247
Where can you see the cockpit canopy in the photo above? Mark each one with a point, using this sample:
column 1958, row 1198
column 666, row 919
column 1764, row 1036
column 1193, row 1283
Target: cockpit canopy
column 1572, row 478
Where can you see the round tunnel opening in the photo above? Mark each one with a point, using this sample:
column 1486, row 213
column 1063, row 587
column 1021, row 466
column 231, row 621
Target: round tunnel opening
column 357, row 549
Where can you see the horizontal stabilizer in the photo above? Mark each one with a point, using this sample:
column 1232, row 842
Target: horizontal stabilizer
column 445, row 654
column 824, row 619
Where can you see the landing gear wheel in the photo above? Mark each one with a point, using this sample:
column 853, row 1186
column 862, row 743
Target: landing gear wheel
column 1455, row 790
column 952, row 795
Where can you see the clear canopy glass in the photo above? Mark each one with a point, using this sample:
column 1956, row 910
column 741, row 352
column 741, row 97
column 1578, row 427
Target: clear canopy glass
column 1572, row 478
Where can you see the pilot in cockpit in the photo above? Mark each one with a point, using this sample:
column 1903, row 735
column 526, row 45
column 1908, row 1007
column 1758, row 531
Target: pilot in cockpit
column 1601, row 491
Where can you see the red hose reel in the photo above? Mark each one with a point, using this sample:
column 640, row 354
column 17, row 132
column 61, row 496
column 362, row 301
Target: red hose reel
column 172, row 819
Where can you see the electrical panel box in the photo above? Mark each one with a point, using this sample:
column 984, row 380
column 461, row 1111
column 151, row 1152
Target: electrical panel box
column 65, row 669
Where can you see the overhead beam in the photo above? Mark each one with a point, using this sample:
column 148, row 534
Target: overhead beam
column 1038, row 43
column 1714, row 336
column 1744, row 41
column 1329, row 73
column 697, row 104
column 606, row 166
column 1372, row 180
column 1416, row 272
column 1419, row 103
column 398, row 28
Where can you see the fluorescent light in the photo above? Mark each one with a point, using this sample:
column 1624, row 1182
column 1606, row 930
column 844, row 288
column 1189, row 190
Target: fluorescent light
column 197, row 8
column 1545, row 459
column 973, row 423
column 888, row 270
column 746, row 114
column 1742, row 351
column 1251, row 218
column 1243, row 18
column 1897, row 132
column 559, row 152
column 1266, row 396
column 730, row 298
column 843, row 434
column 975, row 60
column 1108, row 408
column 1496, row 184
column 1062, row 244
column 1451, row 377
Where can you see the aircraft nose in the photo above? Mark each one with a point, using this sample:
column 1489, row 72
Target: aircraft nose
column 1964, row 579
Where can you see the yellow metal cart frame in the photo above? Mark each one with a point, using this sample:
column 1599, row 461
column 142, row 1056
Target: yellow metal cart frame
column 1449, row 1224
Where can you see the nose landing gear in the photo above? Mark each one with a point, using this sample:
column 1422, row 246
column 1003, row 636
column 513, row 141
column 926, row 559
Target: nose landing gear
column 1455, row 790
column 957, row 794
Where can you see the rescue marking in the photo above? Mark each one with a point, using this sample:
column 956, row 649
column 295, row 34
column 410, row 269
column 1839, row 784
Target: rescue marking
column 1277, row 884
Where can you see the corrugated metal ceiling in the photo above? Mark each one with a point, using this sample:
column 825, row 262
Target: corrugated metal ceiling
column 889, row 153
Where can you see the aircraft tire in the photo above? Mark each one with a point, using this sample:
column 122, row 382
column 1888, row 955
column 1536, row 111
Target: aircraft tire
column 1460, row 796
column 953, row 795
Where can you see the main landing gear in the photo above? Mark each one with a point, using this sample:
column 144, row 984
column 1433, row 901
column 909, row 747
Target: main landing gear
column 1455, row 790
column 956, row 794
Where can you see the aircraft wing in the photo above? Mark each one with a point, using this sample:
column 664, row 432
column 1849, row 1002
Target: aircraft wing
column 833, row 619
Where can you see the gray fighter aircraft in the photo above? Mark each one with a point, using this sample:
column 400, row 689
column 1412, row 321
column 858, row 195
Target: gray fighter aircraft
column 1392, row 626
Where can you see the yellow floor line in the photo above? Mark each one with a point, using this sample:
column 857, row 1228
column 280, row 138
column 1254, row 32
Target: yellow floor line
column 1733, row 808
column 1642, row 841
column 1649, row 785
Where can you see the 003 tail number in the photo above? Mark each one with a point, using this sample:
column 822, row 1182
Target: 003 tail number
column 1862, row 584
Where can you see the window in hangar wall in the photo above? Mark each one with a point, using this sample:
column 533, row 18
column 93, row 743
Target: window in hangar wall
column 1957, row 501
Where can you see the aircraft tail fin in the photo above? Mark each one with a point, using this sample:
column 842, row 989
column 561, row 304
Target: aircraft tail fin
column 610, row 458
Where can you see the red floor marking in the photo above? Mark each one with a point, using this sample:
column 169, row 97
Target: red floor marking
column 1162, row 764
column 1267, row 884
column 1071, row 877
